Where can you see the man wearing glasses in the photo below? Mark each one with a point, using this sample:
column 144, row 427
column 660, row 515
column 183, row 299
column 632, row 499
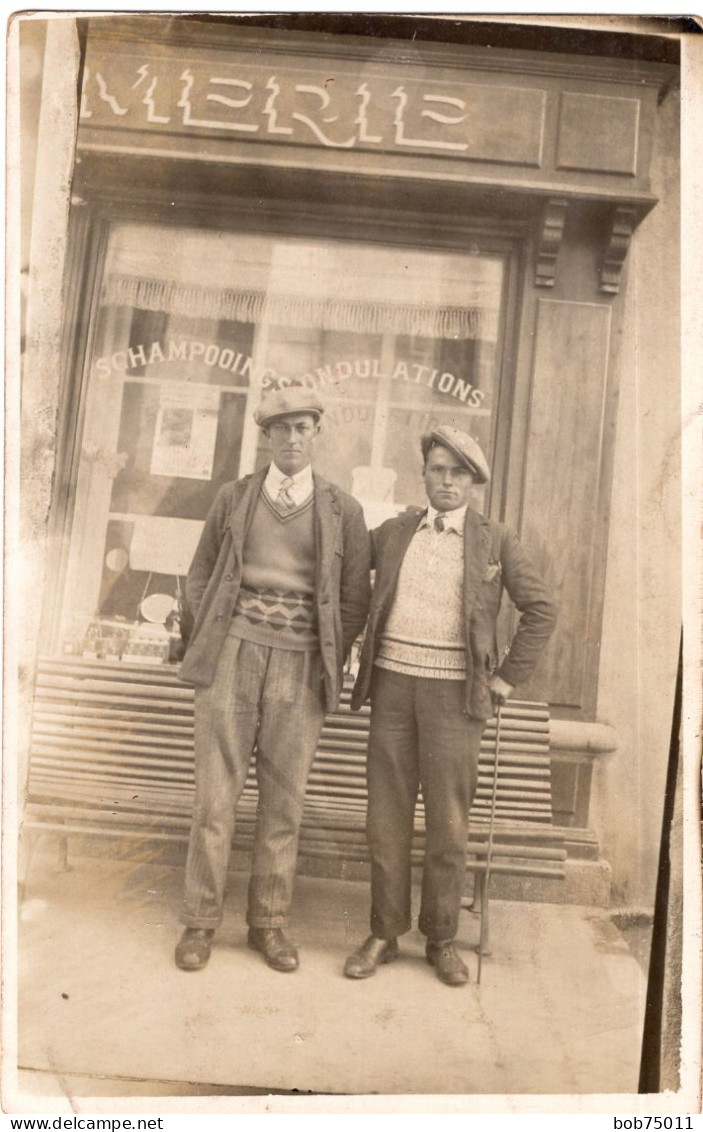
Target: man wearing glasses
column 430, row 665
column 279, row 589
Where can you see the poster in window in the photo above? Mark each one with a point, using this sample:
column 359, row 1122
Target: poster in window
column 186, row 431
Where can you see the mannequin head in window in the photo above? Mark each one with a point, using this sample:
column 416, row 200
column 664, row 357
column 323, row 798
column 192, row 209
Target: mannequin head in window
column 453, row 463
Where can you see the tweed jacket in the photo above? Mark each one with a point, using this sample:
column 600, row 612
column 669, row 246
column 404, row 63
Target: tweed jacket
column 342, row 585
column 494, row 559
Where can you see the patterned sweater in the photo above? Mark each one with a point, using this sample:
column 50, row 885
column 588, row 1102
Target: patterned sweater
column 424, row 632
column 275, row 601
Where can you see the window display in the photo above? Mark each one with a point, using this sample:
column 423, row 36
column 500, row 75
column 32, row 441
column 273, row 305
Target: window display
column 194, row 326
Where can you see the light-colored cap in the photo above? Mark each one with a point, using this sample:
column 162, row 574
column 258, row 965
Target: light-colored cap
column 462, row 445
column 282, row 402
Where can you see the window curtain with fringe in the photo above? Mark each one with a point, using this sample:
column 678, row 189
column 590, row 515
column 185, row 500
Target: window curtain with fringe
column 303, row 283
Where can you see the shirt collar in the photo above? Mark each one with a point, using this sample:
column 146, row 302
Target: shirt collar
column 453, row 520
column 302, row 481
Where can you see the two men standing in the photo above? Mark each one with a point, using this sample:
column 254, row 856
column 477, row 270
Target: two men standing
column 279, row 588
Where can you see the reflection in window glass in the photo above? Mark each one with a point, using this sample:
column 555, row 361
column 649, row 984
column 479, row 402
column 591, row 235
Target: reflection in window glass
column 195, row 326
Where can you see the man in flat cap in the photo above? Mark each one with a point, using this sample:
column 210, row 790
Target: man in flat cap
column 430, row 664
column 278, row 589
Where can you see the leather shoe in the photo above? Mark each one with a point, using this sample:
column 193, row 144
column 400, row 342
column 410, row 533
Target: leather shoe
column 278, row 951
column 193, row 948
column 364, row 961
column 450, row 968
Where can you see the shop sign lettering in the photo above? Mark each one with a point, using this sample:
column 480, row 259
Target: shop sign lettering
column 330, row 377
column 338, row 109
column 274, row 107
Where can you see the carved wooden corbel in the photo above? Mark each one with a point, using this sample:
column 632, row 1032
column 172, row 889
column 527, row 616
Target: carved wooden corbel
column 622, row 226
column 551, row 232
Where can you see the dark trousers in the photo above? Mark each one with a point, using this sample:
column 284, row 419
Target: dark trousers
column 420, row 738
column 270, row 700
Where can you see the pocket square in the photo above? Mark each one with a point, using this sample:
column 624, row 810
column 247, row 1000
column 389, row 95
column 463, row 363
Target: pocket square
column 492, row 572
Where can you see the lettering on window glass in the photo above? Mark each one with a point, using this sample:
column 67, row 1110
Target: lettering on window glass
column 327, row 378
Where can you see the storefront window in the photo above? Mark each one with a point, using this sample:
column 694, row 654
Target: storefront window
column 194, row 327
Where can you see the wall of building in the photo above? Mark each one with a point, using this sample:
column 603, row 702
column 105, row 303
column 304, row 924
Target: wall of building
column 33, row 400
column 642, row 613
column 31, row 38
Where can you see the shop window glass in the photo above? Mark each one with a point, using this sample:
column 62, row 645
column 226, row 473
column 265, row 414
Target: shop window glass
column 194, row 327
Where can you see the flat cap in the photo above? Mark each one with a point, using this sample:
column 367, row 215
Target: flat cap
column 292, row 399
column 462, row 445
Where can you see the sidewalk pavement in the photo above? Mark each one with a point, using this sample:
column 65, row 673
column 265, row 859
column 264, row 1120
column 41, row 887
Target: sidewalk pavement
column 103, row 1011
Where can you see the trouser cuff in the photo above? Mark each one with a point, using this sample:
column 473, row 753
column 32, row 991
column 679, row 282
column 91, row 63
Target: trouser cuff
column 267, row 921
column 209, row 922
column 384, row 931
column 444, row 934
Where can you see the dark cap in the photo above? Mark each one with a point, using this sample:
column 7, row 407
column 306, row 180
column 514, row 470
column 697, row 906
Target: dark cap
column 464, row 447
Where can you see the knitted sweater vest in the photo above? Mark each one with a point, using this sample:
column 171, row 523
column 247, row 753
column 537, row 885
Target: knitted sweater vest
column 424, row 632
column 275, row 605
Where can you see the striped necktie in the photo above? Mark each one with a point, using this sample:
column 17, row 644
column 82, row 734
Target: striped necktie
column 284, row 499
column 439, row 523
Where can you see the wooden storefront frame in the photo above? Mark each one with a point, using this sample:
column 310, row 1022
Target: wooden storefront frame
column 537, row 221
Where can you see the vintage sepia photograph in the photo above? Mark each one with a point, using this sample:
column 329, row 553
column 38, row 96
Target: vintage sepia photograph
column 346, row 681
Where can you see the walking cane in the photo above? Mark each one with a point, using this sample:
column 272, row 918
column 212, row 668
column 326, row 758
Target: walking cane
column 489, row 850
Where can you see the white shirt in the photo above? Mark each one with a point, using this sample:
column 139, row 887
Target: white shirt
column 453, row 520
column 302, row 483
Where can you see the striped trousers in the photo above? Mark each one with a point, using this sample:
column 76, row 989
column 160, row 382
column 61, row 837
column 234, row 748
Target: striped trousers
column 266, row 702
